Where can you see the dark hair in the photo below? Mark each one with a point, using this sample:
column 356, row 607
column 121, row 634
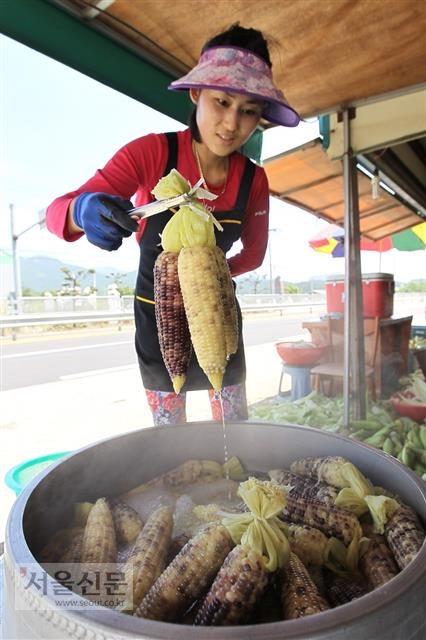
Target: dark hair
column 235, row 36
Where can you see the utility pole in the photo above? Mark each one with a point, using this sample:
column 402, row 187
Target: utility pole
column 17, row 287
column 271, row 286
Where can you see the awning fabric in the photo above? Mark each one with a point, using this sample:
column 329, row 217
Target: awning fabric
column 307, row 179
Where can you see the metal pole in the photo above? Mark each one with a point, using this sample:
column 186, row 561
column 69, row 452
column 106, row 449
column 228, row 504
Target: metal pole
column 354, row 357
column 17, row 286
column 271, row 287
column 17, row 291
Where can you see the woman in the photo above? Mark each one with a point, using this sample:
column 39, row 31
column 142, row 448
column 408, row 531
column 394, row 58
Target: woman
column 231, row 88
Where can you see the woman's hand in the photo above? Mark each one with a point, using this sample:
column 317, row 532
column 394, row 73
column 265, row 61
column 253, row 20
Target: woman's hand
column 103, row 218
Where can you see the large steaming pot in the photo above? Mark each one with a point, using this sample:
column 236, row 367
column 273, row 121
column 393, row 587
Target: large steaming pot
column 113, row 466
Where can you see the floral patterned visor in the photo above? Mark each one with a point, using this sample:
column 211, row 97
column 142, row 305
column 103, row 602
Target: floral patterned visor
column 238, row 70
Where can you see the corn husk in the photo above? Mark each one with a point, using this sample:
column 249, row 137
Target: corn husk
column 260, row 529
column 360, row 498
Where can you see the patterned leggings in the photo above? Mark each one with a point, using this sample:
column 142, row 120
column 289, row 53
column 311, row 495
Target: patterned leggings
column 169, row 408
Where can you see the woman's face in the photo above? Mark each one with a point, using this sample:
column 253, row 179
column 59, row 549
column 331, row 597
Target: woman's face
column 225, row 120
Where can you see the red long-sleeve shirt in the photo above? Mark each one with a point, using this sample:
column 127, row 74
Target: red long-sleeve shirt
column 136, row 168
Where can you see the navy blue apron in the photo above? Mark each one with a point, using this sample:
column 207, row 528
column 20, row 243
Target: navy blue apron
column 153, row 371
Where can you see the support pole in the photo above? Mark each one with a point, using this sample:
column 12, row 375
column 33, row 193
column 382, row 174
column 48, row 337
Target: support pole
column 17, row 290
column 354, row 388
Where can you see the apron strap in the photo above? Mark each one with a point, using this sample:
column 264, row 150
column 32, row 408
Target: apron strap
column 172, row 141
column 245, row 186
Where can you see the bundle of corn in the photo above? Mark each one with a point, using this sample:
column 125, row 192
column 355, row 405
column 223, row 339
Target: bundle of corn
column 261, row 549
column 193, row 291
column 399, row 524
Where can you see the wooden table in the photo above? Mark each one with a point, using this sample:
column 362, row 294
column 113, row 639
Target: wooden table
column 392, row 350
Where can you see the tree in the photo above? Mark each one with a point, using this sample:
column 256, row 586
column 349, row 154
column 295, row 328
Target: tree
column 291, row 288
column 71, row 283
column 118, row 279
column 414, row 286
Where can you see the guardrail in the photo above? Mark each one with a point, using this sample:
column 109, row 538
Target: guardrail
column 58, row 319
column 87, row 309
column 20, row 321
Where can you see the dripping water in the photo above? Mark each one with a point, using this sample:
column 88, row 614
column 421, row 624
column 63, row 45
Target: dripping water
column 225, row 442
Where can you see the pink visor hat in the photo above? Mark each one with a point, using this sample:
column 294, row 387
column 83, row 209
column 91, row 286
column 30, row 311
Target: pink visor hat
column 238, row 70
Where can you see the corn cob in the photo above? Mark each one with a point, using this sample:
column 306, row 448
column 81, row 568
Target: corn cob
column 72, row 554
column 176, row 545
column 172, row 325
column 237, row 588
column 300, row 596
column 268, row 608
column 305, row 487
column 404, row 535
column 198, row 277
column 54, row 550
column 81, row 512
column 228, row 302
column 308, row 543
column 186, row 473
column 188, row 576
column 148, row 557
column 127, row 522
column 343, row 588
column 331, row 520
column 99, row 542
column 377, row 563
column 324, row 468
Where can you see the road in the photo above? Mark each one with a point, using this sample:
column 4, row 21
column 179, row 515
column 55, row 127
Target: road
column 46, row 358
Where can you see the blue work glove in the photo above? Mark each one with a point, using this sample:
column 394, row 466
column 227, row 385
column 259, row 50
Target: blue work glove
column 104, row 219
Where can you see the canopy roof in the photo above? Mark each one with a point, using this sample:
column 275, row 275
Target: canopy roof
column 326, row 56
column 306, row 178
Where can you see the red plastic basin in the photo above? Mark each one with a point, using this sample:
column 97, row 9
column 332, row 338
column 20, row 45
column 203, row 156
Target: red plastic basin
column 300, row 354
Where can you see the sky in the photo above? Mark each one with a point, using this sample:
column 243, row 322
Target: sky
column 58, row 126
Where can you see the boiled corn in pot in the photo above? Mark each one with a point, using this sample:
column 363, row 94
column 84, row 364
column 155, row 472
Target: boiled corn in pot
column 114, row 467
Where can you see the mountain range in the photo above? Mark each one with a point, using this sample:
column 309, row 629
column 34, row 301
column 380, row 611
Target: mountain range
column 41, row 273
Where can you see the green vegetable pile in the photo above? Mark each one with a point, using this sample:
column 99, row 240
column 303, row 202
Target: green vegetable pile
column 398, row 436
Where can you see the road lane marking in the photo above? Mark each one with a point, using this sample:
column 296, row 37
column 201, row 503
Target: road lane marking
column 97, row 372
column 62, row 350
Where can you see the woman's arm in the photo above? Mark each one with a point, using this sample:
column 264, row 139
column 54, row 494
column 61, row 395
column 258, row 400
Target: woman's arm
column 128, row 172
column 254, row 236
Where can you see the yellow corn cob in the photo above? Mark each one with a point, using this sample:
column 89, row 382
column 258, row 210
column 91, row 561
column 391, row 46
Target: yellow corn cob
column 127, row 522
column 228, row 302
column 324, row 468
column 148, row 557
column 377, row 563
column 81, row 512
column 304, row 486
column 404, row 535
column 308, row 543
column 333, row 521
column 188, row 576
column 56, row 547
column 235, row 591
column 233, row 468
column 73, row 552
column 172, row 325
column 99, row 542
column 300, row 596
column 198, row 277
column 343, row 588
column 188, row 472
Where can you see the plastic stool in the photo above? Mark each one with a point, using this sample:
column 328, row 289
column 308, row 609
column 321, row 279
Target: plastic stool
column 300, row 381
